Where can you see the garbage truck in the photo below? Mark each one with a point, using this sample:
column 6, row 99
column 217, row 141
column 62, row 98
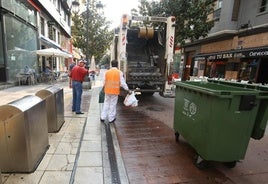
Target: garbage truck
column 144, row 48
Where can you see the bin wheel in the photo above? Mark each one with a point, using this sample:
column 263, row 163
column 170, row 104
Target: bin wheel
column 200, row 163
column 177, row 136
column 230, row 164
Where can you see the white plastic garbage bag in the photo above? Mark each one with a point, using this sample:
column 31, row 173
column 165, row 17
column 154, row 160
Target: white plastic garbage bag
column 131, row 100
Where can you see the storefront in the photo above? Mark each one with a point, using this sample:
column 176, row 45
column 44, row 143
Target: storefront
column 249, row 64
column 18, row 24
column 56, row 64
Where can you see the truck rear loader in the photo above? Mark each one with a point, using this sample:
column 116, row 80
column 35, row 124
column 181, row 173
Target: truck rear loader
column 144, row 48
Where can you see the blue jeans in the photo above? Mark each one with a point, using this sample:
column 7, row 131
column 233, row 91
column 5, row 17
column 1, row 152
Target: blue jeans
column 77, row 93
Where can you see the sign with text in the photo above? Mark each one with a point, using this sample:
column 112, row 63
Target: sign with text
column 242, row 53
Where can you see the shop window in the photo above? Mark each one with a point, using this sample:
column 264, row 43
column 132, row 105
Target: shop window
column 232, row 69
column 262, row 75
column 232, row 66
column 21, row 9
column 21, row 41
column 248, row 70
column 202, row 66
column 216, row 69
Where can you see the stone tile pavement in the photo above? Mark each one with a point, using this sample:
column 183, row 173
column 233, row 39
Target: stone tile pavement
column 78, row 152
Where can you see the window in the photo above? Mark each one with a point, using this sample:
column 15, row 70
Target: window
column 263, row 6
column 65, row 16
column 69, row 20
column 59, row 6
column 220, row 4
column 1, row 46
column 52, row 33
column 217, row 10
column 21, row 40
column 235, row 10
column 21, row 9
column 42, row 24
column 59, row 39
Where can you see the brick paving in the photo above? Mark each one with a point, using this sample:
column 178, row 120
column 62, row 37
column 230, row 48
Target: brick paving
column 152, row 156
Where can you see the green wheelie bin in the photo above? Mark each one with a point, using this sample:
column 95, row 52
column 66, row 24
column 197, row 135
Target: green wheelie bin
column 262, row 115
column 215, row 119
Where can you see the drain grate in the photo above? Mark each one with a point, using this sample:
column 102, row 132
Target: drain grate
column 111, row 154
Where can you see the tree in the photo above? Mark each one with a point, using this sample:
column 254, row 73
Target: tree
column 191, row 16
column 90, row 32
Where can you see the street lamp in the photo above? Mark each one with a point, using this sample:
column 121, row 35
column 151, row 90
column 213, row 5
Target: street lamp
column 75, row 9
column 99, row 6
column 75, row 6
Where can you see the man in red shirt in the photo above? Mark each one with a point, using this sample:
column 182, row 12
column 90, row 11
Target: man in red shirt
column 78, row 74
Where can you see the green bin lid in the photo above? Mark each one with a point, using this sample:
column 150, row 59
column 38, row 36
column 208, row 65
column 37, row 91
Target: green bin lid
column 216, row 89
column 263, row 89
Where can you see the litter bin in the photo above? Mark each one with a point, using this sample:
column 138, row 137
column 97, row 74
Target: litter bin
column 262, row 115
column 216, row 120
column 23, row 134
column 54, row 99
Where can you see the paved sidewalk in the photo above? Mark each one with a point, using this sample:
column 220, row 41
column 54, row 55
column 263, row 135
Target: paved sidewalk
column 78, row 152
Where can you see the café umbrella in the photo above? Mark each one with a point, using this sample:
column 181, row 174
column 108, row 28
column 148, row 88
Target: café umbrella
column 92, row 63
column 53, row 52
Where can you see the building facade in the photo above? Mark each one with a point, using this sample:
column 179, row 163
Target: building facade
column 236, row 47
column 55, row 32
column 30, row 25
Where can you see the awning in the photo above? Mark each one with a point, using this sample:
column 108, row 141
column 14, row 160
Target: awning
column 49, row 42
column 54, row 45
column 255, row 52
